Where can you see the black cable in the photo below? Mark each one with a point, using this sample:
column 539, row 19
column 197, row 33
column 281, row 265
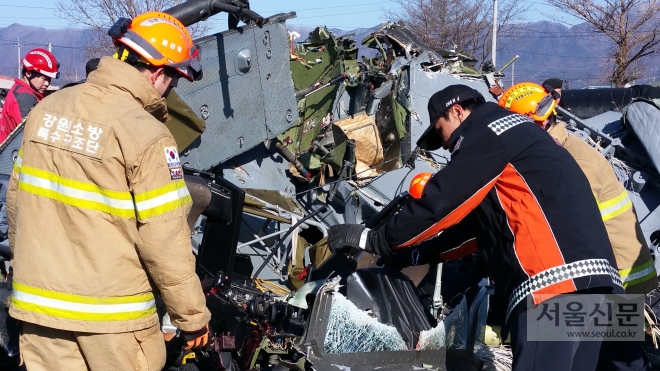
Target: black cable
column 279, row 244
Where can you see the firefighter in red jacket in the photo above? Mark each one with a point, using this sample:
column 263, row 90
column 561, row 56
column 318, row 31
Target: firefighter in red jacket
column 39, row 67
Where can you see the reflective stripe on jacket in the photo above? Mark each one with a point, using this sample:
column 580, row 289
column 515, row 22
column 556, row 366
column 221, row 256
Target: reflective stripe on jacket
column 97, row 211
column 632, row 254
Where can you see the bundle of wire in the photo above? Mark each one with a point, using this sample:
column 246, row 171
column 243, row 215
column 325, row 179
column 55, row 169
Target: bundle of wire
column 495, row 358
column 267, row 286
column 352, row 330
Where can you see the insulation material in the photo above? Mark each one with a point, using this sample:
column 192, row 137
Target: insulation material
column 351, row 330
column 433, row 339
column 368, row 146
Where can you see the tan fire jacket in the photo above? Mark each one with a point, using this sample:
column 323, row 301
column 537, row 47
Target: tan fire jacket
column 97, row 211
column 632, row 254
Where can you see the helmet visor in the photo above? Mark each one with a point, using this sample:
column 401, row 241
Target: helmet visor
column 545, row 106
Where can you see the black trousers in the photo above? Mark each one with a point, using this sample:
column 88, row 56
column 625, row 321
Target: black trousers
column 623, row 356
column 573, row 355
column 550, row 355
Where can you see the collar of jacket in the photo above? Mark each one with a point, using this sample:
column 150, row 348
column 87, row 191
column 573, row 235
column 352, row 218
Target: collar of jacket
column 117, row 75
column 481, row 116
column 29, row 89
column 559, row 132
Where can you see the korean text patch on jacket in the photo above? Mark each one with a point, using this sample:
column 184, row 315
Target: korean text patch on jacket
column 97, row 211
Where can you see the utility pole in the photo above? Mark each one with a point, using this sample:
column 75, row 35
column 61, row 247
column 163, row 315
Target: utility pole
column 513, row 70
column 18, row 44
column 494, row 51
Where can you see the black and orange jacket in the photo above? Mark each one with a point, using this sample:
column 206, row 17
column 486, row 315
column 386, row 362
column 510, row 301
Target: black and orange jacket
column 538, row 227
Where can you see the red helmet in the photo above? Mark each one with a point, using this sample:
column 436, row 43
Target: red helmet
column 418, row 183
column 41, row 61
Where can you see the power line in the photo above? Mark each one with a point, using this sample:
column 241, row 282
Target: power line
column 26, row 6
column 327, row 7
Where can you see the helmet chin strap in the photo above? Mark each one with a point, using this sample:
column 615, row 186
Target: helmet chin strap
column 29, row 79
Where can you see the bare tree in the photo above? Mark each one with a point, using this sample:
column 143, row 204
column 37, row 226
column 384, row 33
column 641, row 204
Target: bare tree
column 464, row 25
column 632, row 25
column 100, row 15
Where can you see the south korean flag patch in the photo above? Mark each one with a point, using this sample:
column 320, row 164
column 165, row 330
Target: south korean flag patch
column 172, row 156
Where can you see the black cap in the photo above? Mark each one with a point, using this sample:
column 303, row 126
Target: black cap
column 554, row 83
column 438, row 104
column 91, row 65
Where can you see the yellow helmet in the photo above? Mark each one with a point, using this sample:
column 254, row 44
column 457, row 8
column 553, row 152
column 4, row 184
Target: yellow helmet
column 531, row 100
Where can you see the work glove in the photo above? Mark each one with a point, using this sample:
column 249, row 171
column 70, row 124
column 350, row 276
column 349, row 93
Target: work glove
column 197, row 339
column 353, row 238
column 345, row 238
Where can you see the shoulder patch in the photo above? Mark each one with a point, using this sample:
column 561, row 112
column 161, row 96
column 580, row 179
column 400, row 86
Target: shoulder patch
column 172, row 156
column 499, row 126
column 71, row 134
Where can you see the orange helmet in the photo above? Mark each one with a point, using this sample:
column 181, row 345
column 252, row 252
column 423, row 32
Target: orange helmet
column 530, row 99
column 418, row 183
column 160, row 40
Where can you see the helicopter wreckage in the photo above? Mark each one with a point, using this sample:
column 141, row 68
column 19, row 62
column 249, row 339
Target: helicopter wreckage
column 301, row 135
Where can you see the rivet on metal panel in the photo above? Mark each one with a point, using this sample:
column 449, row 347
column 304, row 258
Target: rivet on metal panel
column 266, row 37
column 240, row 142
column 14, row 155
column 241, row 180
column 204, row 109
column 289, row 116
column 268, row 77
column 269, row 53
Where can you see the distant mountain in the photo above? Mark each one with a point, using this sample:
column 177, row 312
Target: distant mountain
column 546, row 49
column 67, row 46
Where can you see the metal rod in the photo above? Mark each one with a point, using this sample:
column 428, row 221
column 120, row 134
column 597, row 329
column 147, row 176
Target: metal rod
column 508, row 64
column 261, row 239
column 19, row 56
column 494, row 51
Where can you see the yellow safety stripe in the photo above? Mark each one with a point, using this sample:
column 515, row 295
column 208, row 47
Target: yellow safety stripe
column 612, row 208
column 75, row 193
column 638, row 274
column 162, row 200
column 83, row 308
column 82, row 299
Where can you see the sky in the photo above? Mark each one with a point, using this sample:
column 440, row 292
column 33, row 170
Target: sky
column 344, row 14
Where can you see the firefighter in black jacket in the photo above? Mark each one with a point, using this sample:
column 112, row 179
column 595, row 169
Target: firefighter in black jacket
column 539, row 230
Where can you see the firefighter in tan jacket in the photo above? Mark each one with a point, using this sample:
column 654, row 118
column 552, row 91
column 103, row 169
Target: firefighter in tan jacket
column 97, row 210
column 632, row 254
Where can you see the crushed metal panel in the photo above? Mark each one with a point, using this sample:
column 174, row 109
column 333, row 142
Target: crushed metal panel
column 246, row 93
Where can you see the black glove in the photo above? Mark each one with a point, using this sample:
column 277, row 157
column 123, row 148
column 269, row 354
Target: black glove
column 345, row 238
